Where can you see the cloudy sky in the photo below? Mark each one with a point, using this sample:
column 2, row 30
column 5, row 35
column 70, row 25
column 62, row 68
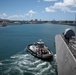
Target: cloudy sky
column 38, row 9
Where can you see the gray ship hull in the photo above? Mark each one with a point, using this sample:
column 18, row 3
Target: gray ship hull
column 66, row 62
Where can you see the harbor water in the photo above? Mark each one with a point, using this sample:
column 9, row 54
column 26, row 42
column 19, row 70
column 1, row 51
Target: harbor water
column 14, row 56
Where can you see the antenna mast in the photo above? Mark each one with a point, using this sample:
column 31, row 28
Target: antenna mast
column 75, row 18
column 75, row 24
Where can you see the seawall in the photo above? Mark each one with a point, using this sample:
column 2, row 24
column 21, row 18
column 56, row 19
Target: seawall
column 66, row 62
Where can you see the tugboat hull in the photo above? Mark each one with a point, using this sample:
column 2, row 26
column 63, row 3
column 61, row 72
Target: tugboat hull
column 45, row 56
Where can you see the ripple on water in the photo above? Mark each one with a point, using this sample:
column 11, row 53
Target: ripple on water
column 26, row 64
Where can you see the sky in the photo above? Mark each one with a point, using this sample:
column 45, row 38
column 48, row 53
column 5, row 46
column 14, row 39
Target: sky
column 38, row 9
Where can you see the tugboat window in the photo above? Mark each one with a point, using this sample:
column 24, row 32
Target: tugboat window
column 41, row 46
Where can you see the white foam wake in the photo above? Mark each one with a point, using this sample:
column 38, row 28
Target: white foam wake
column 0, row 63
column 26, row 63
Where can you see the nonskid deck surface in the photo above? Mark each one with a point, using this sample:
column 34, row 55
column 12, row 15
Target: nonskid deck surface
column 71, row 45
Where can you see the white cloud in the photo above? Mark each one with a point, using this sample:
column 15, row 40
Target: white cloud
column 15, row 16
column 61, row 6
column 32, row 12
column 26, row 14
column 66, row 6
column 12, row 17
column 29, row 14
column 47, row 9
column 22, row 16
column 70, row 2
column 3, row 15
column 49, row 0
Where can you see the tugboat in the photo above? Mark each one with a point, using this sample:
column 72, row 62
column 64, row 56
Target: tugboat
column 40, row 50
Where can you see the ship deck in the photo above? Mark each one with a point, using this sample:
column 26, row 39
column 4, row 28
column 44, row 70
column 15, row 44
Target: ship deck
column 72, row 45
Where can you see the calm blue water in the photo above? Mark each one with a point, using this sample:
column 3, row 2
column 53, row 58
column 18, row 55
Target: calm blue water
column 14, row 58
